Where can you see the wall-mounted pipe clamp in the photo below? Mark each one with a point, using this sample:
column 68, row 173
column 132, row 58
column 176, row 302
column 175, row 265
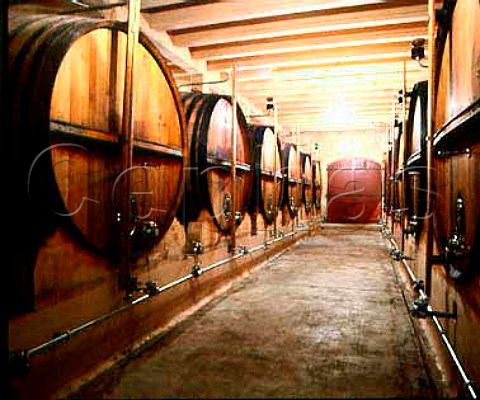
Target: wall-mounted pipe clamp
column 421, row 309
column 396, row 254
column 151, row 288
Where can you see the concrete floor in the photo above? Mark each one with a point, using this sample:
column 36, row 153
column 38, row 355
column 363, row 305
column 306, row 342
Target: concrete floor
column 325, row 319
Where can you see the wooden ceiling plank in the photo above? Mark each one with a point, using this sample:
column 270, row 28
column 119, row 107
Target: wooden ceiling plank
column 316, row 57
column 386, row 80
column 186, row 15
column 272, row 74
column 323, row 40
column 311, row 24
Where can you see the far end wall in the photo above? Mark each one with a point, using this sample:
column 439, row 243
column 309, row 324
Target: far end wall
column 337, row 145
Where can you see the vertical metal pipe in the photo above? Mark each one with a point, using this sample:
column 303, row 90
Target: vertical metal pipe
column 296, row 218
column 234, row 159
column 383, row 215
column 404, row 158
column 5, row 149
column 127, row 138
column 430, row 114
column 275, row 181
column 391, row 181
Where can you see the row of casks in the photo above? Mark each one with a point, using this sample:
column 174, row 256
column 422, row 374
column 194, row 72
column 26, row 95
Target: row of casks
column 284, row 177
column 456, row 147
column 268, row 175
column 67, row 79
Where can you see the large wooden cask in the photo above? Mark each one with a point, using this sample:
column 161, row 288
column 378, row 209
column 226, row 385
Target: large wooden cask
column 399, row 179
column 209, row 182
column 307, row 181
column 456, row 141
column 266, row 193
column 458, row 66
column 317, row 185
column 416, row 164
column 67, row 88
column 292, row 178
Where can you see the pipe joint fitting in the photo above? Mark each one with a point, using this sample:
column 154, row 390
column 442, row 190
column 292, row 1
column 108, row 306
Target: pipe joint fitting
column 243, row 250
column 397, row 255
column 418, row 285
column 196, row 270
column 421, row 309
column 151, row 288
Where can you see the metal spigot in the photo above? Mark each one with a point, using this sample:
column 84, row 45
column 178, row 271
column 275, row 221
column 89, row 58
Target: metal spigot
column 132, row 286
column 19, row 363
column 227, row 206
column 197, row 247
column 238, row 217
column 456, row 248
column 411, row 229
column 269, row 210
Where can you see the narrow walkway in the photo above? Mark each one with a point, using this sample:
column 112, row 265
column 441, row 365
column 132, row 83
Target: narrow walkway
column 326, row 319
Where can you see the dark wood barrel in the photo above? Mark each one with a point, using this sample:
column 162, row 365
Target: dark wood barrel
column 399, row 178
column 458, row 67
column 265, row 196
column 456, row 143
column 317, row 185
column 417, row 125
column 66, row 87
column 307, row 181
column 292, row 177
column 416, row 166
column 209, row 184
